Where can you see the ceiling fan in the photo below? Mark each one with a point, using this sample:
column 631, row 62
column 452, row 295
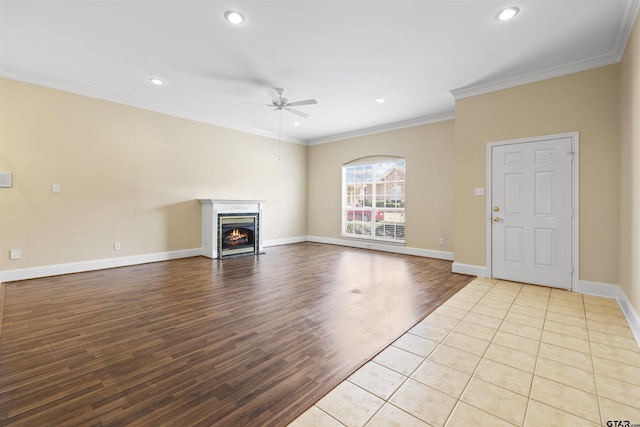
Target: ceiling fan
column 279, row 102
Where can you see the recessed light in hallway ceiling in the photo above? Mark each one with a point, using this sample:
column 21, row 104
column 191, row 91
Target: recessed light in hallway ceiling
column 234, row 17
column 508, row 13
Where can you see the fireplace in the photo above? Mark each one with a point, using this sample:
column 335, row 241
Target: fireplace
column 231, row 228
column 237, row 234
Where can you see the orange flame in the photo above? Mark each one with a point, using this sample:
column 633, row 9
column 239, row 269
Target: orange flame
column 237, row 235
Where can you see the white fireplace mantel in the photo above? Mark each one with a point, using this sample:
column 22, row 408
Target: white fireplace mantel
column 210, row 210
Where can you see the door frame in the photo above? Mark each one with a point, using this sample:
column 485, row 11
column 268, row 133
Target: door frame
column 575, row 205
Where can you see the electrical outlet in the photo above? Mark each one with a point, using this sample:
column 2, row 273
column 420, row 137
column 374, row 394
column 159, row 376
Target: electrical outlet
column 116, row 246
column 441, row 241
column 15, row 254
column 55, row 188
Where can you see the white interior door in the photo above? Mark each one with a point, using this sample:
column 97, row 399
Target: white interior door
column 531, row 212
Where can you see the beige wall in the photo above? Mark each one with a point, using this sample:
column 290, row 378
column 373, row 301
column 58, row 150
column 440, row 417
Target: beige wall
column 629, row 279
column 586, row 102
column 428, row 150
column 127, row 175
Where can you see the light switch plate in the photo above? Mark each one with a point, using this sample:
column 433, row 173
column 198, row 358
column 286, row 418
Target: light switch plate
column 479, row 191
column 55, row 188
column 5, row 180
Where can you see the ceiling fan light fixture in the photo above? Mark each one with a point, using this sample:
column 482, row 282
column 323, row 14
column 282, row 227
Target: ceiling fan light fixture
column 508, row 13
column 156, row 81
column 234, row 17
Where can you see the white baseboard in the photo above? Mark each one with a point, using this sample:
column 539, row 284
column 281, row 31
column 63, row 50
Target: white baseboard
column 285, row 241
column 608, row 290
column 391, row 247
column 78, row 267
column 632, row 316
column 472, row 270
column 599, row 289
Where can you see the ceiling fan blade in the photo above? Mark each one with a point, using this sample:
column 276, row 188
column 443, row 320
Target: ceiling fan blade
column 305, row 102
column 297, row 113
column 275, row 94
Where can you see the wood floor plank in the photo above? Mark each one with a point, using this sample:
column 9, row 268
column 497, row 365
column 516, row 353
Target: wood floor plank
column 250, row 341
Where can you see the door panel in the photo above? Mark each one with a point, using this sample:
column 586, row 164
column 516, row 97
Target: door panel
column 545, row 242
column 531, row 199
column 514, row 188
column 514, row 245
column 545, row 194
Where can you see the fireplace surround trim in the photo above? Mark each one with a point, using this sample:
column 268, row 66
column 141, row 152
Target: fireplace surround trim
column 211, row 208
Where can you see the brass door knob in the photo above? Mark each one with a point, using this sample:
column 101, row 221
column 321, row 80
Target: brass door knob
column 496, row 218
column 496, row 208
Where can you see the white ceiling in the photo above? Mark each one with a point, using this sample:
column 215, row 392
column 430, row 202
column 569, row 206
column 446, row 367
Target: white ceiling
column 415, row 53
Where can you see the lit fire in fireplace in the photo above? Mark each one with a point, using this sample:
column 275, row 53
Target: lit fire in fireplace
column 236, row 235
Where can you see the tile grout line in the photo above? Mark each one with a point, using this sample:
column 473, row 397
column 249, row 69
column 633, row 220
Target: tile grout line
column 482, row 357
column 567, row 385
column 480, row 361
column 535, row 365
column 539, row 342
column 595, row 376
column 485, row 352
column 441, row 342
column 425, row 358
column 593, row 365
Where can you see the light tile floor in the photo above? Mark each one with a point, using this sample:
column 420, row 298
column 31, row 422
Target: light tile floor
column 497, row 354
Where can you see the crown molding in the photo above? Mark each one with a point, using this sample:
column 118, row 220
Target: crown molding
column 94, row 92
column 418, row 121
column 534, row 76
column 629, row 15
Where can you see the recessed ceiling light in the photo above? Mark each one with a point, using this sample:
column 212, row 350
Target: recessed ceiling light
column 296, row 123
column 380, row 100
column 508, row 13
column 156, row 81
column 234, row 17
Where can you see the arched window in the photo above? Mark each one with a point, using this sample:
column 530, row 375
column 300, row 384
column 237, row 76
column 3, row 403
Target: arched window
column 373, row 199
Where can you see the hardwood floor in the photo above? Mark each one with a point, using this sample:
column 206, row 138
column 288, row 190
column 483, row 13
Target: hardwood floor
column 250, row 341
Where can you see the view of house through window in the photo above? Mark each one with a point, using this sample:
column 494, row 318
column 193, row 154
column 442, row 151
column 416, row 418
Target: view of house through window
column 373, row 200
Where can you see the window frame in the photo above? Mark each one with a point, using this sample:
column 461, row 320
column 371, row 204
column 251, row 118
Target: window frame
column 361, row 212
